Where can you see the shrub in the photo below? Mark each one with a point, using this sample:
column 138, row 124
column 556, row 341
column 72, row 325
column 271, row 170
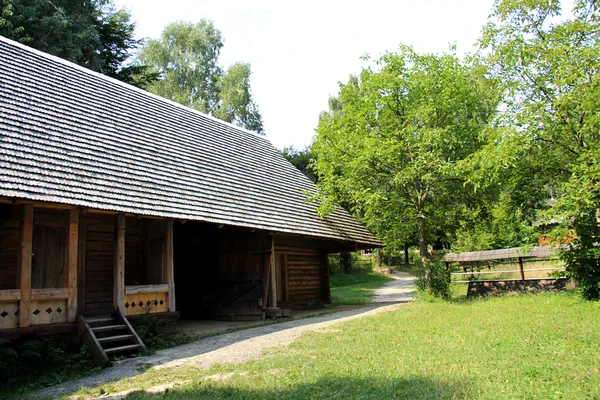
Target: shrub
column 434, row 279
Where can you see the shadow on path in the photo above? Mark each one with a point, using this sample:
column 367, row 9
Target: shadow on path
column 234, row 347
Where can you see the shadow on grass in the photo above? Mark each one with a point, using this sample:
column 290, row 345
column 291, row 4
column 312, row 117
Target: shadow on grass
column 325, row 388
column 136, row 366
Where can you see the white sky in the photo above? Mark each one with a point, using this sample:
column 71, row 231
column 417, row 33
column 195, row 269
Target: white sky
column 299, row 51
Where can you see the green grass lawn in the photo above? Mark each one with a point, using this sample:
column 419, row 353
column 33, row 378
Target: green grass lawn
column 544, row 346
column 356, row 288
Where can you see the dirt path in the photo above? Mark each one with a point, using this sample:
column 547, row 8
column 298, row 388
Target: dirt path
column 401, row 289
column 237, row 347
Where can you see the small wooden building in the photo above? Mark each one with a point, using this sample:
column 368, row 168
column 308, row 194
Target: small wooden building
column 112, row 198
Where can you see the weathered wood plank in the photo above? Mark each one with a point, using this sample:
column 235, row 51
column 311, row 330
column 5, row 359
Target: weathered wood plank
column 10, row 294
column 136, row 289
column 119, row 264
column 49, row 293
column 24, row 264
column 71, row 247
column 81, row 267
column 169, row 271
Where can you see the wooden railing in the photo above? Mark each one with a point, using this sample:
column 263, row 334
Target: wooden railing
column 497, row 272
column 140, row 299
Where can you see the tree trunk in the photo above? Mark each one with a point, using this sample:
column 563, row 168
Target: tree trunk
column 379, row 257
column 406, row 260
column 422, row 238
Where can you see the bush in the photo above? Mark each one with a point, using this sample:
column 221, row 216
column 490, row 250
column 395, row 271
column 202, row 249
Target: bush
column 435, row 280
column 582, row 258
column 42, row 362
column 346, row 263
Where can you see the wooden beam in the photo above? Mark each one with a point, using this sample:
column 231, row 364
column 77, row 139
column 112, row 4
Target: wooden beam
column 137, row 289
column 24, row 263
column 10, row 295
column 119, row 264
column 81, row 268
column 169, row 270
column 273, row 294
column 266, row 278
column 71, row 247
column 48, row 294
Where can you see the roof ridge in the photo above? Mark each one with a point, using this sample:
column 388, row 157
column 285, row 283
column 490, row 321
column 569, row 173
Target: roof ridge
column 126, row 85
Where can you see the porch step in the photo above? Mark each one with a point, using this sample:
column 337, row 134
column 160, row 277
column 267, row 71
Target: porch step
column 108, row 328
column 117, row 338
column 123, row 348
column 109, row 335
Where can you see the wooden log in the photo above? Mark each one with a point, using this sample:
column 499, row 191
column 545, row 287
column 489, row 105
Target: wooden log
column 24, row 264
column 169, row 270
column 119, row 264
column 71, row 247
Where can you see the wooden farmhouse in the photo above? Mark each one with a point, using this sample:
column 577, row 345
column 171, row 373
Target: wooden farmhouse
column 116, row 200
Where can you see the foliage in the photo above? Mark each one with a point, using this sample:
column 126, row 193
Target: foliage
column 301, row 159
column 91, row 33
column 148, row 329
column 185, row 57
column 391, row 149
column 483, row 349
column 547, row 135
column 27, row 364
column 435, row 280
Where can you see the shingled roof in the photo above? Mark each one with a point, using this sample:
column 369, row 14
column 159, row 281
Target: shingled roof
column 69, row 135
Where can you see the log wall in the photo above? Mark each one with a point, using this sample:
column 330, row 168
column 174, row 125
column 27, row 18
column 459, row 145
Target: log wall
column 303, row 272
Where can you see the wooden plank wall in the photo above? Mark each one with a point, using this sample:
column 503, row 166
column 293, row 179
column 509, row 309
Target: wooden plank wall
column 303, row 272
column 241, row 271
column 48, row 262
column 9, row 242
column 99, row 260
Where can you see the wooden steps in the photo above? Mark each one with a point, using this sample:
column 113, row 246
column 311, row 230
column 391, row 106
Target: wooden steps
column 109, row 335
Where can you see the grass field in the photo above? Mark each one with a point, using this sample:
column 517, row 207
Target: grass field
column 543, row 346
column 356, row 288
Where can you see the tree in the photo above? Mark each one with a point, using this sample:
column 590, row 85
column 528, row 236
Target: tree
column 301, row 159
column 392, row 153
column 91, row 33
column 185, row 57
column 550, row 122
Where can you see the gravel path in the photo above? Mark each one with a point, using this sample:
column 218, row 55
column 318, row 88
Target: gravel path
column 401, row 289
column 241, row 346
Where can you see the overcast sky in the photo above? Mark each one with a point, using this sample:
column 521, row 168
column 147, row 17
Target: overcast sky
column 299, row 51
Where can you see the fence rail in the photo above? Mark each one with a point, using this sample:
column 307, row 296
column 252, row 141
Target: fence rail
column 521, row 271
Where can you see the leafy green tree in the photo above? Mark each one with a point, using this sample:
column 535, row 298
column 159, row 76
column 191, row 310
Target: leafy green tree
column 185, row 57
column 548, row 130
column 392, row 153
column 301, row 159
column 91, row 33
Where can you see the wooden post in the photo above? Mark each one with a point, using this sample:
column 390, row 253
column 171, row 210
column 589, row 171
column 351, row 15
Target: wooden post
column 71, row 246
column 284, row 269
column 273, row 294
column 81, row 268
column 169, row 270
column 266, row 278
column 24, row 263
column 119, row 265
column 521, row 268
